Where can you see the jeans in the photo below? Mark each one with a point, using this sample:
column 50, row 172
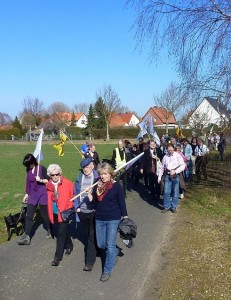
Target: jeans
column 106, row 235
column 87, row 221
column 171, row 189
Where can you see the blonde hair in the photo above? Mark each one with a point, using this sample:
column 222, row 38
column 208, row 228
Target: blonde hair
column 106, row 167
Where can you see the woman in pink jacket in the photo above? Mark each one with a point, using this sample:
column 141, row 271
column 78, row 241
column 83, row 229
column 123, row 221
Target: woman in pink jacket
column 60, row 190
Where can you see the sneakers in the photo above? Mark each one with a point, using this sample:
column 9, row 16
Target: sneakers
column 25, row 240
column 165, row 210
column 174, row 210
column 105, row 277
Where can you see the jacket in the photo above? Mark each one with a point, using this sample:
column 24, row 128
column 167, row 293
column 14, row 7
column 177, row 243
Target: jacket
column 127, row 229
column 65, row 193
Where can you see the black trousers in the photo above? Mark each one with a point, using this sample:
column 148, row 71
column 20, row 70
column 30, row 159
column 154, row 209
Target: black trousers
column 63, row 239
column 87, row 221
column 30, row 217
column 201, row 166
column 153, row 184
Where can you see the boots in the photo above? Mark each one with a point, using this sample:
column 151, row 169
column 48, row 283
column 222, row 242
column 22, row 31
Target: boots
column 25, row 240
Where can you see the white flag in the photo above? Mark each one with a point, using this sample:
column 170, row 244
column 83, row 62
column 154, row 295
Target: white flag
column 38, row 149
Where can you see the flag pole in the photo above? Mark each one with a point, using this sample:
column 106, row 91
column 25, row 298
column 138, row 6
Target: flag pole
column 115, row 171
column 72, row 143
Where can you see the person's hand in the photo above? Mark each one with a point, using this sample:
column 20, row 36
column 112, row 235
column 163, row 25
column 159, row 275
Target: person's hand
column 159, row 179
column 78, row 210
column 172, row 172
column 24, row 200
column 141, row 171
column 37, row 178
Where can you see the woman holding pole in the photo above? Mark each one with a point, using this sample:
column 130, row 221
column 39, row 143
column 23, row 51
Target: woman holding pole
column 36, row 194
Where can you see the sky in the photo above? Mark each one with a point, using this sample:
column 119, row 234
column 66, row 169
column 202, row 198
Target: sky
column 66, row 51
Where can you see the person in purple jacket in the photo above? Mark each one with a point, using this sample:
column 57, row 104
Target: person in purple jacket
column 36, row 194
column 110, row 209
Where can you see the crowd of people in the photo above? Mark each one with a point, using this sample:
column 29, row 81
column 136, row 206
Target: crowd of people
column 164, row 169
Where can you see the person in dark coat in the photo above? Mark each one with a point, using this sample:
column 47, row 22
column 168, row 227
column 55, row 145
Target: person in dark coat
column 149, row 161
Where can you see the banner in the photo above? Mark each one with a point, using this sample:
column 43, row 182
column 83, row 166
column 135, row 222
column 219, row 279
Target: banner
column 38, row 149
column 129, row 163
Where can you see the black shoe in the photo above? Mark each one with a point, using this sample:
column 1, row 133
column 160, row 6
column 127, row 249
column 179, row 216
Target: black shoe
column 88, row 268
column 68, row 251
column 55, row 262
column 174, row 210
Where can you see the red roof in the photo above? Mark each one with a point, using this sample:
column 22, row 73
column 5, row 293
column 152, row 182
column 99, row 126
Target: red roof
column 159, row 115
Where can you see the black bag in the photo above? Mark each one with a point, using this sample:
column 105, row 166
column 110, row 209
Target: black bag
column 127, row 229
column 68, row 214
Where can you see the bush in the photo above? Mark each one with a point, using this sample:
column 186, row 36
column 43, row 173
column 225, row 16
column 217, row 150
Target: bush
column 6, row 134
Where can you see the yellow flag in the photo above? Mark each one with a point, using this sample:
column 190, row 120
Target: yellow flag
column 63, row 137
column 59, row 147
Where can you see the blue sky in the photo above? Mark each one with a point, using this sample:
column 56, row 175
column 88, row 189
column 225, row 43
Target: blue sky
column 65, row 51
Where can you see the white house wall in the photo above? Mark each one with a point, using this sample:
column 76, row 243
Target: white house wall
column 133, row 121
column 205, row 114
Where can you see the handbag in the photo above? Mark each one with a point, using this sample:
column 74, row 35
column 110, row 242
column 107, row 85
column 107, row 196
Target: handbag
column 68, row 214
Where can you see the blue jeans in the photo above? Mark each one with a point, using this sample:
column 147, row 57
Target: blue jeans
column 171, row 189
column 106, row 236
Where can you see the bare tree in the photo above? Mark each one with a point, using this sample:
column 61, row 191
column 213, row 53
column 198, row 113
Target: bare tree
column 82, row 107
column 197, row 35
column 110, row 103
column 5, row 119
column 57, row 107
column 32, row 113
column 172, row 101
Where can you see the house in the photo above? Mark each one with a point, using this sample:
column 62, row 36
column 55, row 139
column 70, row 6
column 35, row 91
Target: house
column 160, row 117
column 78, row 119
column 124, row 120
column 210, row 111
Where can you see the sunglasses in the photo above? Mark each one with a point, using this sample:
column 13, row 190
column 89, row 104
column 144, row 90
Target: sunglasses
column 52, row 175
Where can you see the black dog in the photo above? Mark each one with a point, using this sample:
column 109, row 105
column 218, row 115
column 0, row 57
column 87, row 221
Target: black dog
column 12, row 222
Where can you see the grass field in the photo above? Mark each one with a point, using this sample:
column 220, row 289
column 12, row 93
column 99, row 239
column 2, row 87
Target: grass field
column 13, row 173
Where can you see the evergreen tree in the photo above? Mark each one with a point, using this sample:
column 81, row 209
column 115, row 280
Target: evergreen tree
column 99, row 111
column 16, row 124
column 73, row 121
column 91, row 120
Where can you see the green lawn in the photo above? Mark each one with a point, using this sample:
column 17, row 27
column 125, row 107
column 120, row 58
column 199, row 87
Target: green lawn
column 13, row 173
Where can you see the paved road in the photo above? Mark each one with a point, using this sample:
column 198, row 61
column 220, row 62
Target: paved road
column 26, row 273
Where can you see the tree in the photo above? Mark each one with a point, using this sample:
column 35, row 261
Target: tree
column 91, row 120
column 81, row 107
column 16, row 124
column 110, row 103
column 58, row 106
column 73, row 120
column 197, row 35
column 32, row 113
column 100, row 122
column 172, row 101
column 5, row 119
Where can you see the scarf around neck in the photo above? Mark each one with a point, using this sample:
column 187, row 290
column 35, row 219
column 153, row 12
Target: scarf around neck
column 102, row 188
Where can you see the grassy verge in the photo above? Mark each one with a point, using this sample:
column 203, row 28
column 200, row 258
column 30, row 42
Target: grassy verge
column 197, row 262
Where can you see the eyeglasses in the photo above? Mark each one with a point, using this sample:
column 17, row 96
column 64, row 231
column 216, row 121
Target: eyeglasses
column 52, row 175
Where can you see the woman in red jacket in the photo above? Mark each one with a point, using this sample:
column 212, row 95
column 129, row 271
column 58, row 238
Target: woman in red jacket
column 60, row 190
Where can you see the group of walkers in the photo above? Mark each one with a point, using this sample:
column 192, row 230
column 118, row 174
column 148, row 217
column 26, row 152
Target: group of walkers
column 98, row 197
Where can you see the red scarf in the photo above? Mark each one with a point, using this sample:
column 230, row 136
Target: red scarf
column 102, row 189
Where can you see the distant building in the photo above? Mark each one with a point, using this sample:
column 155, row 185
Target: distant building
column 77, row 119
column 161, row 117
column 124, row 120
column 210, row 111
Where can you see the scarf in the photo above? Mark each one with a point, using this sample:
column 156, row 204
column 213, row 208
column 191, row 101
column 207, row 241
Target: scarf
column 102, row 188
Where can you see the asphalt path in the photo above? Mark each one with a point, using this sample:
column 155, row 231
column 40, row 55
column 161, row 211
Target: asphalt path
column 26, row 271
